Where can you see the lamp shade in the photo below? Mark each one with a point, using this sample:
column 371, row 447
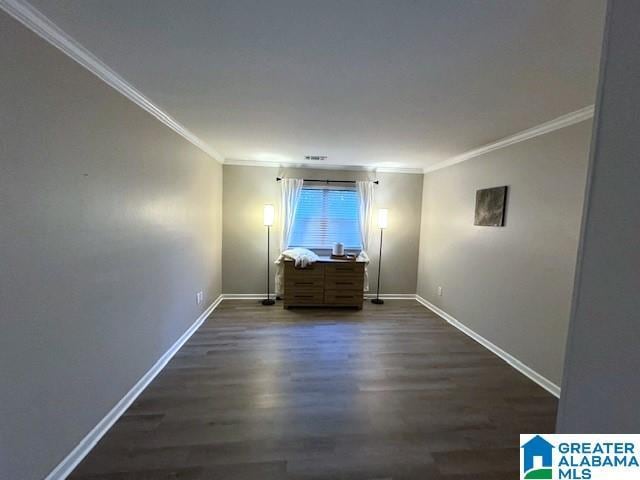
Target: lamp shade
column 268, row 214
column 383, row 218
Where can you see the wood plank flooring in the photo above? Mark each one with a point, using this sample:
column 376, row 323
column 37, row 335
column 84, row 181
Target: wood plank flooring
column 388, row 392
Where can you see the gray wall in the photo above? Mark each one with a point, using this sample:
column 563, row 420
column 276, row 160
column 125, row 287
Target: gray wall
column 512, row 285
column 601, row 391
column 110, row 223
column 247, row 189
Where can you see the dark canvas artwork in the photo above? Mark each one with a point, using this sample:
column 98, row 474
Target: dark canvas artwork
column 490, row 204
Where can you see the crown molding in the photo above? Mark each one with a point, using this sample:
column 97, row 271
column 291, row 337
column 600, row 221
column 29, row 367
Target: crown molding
column 413, row 171
column 550, row 126
column 319, row 166
column 37, row 22
column 41, row 25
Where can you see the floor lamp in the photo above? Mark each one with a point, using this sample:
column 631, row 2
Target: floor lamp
column 383, row 220
column 268, row 222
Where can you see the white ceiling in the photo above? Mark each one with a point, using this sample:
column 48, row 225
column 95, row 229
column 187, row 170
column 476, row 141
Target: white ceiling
column 377, row 83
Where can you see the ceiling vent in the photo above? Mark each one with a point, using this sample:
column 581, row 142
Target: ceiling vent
column 315, row 158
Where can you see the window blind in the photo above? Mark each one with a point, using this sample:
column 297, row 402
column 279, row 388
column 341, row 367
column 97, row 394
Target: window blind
column 326, row 216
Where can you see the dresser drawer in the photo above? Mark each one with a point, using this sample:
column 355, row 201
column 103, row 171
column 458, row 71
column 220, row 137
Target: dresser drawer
column 315, row 270
column 343, row 297
column 344, row 282
column 302, row 282
column 304, row 297
column 347, row 268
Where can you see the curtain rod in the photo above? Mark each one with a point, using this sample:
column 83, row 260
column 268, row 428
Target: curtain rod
column 329, row 181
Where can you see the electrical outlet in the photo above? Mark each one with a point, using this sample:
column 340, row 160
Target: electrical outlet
column 199, row 297
column 439, row 291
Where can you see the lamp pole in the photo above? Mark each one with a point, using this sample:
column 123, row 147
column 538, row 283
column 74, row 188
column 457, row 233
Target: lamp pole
column 377, row 300
column 383, row 222
column 268, row 301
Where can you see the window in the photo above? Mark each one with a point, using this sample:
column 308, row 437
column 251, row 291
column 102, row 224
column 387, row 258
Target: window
column 326, row 216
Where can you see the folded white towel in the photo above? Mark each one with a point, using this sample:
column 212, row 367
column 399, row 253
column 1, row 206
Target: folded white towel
column 301, row 256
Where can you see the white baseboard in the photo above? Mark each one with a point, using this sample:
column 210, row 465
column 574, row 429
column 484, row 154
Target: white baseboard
column 527, row 371
column 246, row 296
column 544, row 382
column 64, row 468
column 260, row 296
column 392, row 296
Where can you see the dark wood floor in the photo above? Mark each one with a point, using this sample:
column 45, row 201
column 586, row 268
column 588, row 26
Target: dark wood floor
column 389, row 392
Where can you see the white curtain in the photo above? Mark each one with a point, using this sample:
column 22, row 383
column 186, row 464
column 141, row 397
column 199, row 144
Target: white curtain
column 290, row 190
column 365, row 192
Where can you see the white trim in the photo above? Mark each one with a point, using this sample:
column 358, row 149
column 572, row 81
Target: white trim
column 392, row 296
column 550, row 126
column 40, row 24
column 544, row 382
column 528, row 372
column 66, row 466
column 37, row 22
column 321, row 166
column 261, row 296
column 409, row 170
column 247, row 296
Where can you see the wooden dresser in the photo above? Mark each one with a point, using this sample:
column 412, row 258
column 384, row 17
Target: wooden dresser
column 328, row 282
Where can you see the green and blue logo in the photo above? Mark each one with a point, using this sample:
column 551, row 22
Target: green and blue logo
column 579, row 457
column 537, row 459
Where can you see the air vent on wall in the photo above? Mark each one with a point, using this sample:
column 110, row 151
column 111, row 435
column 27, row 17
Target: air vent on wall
column 315, row 157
